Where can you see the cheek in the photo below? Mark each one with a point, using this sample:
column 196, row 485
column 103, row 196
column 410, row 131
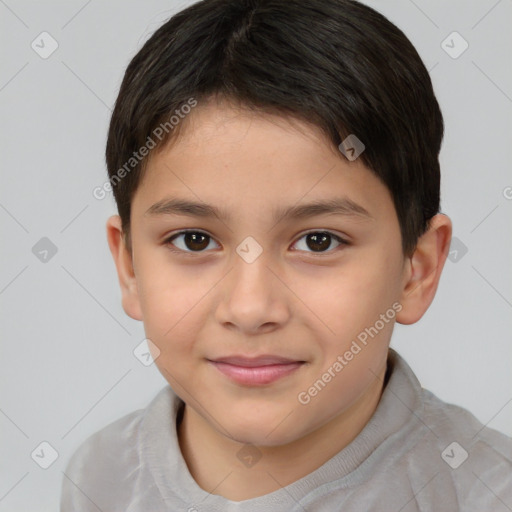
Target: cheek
column 172, row 300
column 352, row 297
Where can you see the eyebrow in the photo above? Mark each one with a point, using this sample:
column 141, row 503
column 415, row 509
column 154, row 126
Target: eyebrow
column 335, row 206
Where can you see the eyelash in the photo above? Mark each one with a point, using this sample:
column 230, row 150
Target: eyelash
column 169, row 240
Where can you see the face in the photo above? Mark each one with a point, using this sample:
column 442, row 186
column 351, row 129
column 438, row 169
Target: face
column 258, row 273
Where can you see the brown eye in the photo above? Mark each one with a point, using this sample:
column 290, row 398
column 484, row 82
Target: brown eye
column 196, row 241
column 319, row 241
column 190, row 241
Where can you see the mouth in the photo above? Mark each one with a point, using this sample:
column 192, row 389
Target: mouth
column 255, row 371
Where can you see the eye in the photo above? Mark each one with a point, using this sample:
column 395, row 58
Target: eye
column 319, row 241
column 198, row 241
column 190, row 241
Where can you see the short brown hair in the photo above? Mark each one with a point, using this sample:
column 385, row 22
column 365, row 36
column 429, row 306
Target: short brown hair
column 335, row 63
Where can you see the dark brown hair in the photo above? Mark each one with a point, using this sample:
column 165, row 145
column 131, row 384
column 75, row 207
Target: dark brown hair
column 335, row 63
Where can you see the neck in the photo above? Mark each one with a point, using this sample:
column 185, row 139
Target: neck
column 211, row 456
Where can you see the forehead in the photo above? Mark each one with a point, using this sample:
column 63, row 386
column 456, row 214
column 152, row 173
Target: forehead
column 219, row 125
column 227, row 155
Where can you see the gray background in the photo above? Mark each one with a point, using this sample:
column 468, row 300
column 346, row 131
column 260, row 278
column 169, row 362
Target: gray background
column 67, row 365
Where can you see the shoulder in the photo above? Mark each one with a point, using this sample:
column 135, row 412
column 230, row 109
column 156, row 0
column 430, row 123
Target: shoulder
column 441, row 423
column 106, row 444
column 107, row 468
column 453, row 421
column 442, row 449
column 473, row 460
column 94, row 466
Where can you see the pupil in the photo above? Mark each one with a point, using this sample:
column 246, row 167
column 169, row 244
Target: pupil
column 193, row 241
column 318, row 241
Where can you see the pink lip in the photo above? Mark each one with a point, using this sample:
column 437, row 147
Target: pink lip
column 256, row 371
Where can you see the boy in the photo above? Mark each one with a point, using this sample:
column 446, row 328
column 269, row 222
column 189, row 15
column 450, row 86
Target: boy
column 275, row 167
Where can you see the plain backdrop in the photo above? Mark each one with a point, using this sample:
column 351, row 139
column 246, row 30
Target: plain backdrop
column 67, row 363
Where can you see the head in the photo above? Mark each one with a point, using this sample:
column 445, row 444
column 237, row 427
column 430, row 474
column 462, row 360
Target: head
column 293, row 249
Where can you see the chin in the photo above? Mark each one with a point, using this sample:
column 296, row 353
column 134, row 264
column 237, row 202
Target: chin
column 261, row 438
column 262, row 430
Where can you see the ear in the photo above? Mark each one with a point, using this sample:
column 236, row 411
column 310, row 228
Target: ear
column 423, row 270
column 124, row 265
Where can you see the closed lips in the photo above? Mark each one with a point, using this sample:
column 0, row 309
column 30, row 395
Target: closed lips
column 255, row 362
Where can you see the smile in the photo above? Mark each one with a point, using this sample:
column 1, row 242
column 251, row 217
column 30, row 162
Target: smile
column 255, row 372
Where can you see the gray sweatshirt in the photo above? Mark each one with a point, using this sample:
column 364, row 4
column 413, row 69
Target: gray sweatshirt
column 416, row 453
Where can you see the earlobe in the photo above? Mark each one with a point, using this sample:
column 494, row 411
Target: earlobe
column 124, row 266
column 424, row 269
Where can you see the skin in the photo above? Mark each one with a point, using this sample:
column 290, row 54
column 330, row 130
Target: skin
column 291, row 301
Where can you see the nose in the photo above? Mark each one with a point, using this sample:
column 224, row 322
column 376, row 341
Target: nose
column 253, row 299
